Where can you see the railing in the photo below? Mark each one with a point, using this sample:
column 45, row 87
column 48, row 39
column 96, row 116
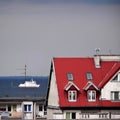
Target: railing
column 94, row 116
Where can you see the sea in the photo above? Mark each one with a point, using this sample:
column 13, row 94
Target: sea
column 9, row 86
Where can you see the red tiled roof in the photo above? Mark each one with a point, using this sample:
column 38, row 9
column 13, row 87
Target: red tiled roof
column 79, row 67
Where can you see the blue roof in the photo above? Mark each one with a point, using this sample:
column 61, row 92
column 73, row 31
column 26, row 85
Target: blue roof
column 9, row 86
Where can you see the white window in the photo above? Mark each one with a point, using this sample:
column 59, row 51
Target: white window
column 115, row 95
column 27, row 108
column 91, row 95
column 70, row 76
column 72, row 96
column 89, row 75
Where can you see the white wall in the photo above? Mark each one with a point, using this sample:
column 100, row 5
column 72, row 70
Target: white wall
column 19, row 108
column 53, row 99
column 110, row 86
column 28, row 115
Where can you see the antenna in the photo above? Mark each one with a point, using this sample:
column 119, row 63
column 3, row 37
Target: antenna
column 25, row 70
column 97, row 50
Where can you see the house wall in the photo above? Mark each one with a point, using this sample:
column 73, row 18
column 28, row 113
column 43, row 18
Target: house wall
column 110, row 86
column 17, row 113
column 40, row 112
column 19, row 108
column 89, row 114
column 29, row 113
column 53, row 113
column 53, row 99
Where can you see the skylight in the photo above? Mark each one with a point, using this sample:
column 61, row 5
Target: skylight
column 89, row 75
column 70, row 76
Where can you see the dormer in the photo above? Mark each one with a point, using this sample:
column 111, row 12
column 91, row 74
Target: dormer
column 91, row 90
column 72, row 91
column 90, row 85
column 72, row 86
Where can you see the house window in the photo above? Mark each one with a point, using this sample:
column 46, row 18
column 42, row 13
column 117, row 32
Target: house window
column 9, row 108
column 2, row 107
column 89, row 75
column 70, row 76
column 117, row 77
column 72, row 96
column 91, row 95
column 40, row 108
column 27, row 108
column 70, row 115
column 115, row 95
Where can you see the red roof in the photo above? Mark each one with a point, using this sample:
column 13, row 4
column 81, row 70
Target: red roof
column 69, row 85
column 90, row 84
column 79, row 67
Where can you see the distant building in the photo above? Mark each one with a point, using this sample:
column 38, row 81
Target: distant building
column 84, row 88
column 22, row 98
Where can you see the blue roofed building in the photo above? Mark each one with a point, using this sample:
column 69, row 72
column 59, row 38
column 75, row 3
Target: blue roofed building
column 23, row 97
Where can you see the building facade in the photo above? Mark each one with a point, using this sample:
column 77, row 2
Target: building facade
column 27, row 102
column 84, row 88
column 24, row 108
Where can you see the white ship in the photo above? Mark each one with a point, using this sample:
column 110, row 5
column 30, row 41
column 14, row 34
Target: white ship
column 30, row 83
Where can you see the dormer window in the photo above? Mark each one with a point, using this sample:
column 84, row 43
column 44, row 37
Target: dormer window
column 89, row 75
column 70, row 76
column 91, row 95
column 72, row 95
column 72, row 91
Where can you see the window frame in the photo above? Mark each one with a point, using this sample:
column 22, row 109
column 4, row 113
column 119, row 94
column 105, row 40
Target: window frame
column 113, row 95
column 89, row 75
column 70, row 76
column 90, row 95
column 72, row 95
column 71, row 115
column 9, row 108
column 27, row 108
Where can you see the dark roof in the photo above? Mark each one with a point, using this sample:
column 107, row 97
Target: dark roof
column 9, row 87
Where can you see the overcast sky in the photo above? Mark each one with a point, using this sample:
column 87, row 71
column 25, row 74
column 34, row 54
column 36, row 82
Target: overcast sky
column 32, row 32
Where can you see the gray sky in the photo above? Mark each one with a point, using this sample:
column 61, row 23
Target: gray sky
column 32, row 32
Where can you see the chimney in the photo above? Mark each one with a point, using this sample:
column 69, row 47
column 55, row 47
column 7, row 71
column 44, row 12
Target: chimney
column 100, row 58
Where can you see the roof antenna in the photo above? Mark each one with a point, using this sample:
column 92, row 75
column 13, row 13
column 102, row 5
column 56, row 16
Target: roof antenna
column 97, row 50
column 25, row 71
column 110, row 51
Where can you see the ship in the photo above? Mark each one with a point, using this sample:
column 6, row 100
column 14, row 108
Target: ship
column 29, row 84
